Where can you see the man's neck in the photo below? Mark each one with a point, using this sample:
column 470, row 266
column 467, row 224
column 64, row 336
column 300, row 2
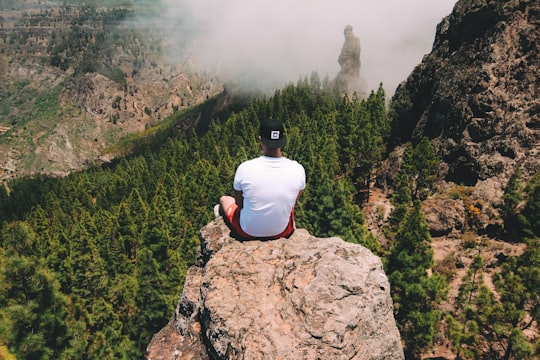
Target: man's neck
column 272, row 152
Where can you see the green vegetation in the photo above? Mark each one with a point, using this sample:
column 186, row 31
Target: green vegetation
column 414, row 180
column 498, row 319
column 415, row 293
column 46, row 50
column 525, row 222
column 488, row 323
column 491, row 322
column 513, row 196
column 529, row 218
column 43, row 106
column 93, row 263
column 87, row 45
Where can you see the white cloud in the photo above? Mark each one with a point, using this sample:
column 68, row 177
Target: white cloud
column 273, row 42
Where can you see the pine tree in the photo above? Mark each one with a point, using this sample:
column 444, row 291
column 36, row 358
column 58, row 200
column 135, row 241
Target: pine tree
column 152, row 309
column 401, row 199
column 530, row 216
column 19, row 238
column 89, row 278
column 519, row 287
column 426, row 164
column 127, row 232
column 413, row 291
column 32, row 309
column 4, row 202
column 513, row 195
column 498, row 322
column 41, row 224
column 119, row 238
column 462, row 332
column 156, row 236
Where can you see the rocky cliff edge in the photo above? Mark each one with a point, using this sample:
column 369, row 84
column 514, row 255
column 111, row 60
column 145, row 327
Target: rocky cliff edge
column 297, row 298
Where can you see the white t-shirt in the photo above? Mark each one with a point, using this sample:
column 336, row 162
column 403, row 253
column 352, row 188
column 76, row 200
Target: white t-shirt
column 270, row 187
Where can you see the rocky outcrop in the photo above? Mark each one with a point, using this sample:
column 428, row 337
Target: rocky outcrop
column 297, row 298
column 444, row 216
column 476, row 95
column 348, row 80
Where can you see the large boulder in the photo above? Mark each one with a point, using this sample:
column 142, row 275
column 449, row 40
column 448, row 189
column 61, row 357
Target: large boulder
column 297, row 298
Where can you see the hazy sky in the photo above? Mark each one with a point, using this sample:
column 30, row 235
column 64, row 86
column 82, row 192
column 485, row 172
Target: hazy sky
column 269, row 43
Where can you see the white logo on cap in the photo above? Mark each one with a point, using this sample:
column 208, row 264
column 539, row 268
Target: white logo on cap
column 274, row 135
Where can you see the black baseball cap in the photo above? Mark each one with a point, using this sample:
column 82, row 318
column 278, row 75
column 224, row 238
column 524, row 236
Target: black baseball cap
column 272, row 133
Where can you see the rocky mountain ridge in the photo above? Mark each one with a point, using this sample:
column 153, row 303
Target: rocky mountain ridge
column 476, row 95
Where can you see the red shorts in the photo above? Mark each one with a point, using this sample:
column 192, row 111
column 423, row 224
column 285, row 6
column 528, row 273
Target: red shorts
column 232, row 218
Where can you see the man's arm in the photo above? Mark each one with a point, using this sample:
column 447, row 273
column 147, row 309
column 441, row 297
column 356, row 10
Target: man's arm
column 299, row 194
column 239, row 198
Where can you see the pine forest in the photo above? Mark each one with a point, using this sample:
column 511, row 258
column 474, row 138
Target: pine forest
column 92, row 264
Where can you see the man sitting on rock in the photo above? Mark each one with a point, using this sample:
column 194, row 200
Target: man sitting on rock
column 265, row 190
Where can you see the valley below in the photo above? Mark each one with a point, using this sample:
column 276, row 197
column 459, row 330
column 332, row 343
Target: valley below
column 77, row 79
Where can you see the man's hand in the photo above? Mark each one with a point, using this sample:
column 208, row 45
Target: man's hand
column 239, row 198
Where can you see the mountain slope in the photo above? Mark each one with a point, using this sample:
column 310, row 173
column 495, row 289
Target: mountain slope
column 476, row 95
column 77, row 78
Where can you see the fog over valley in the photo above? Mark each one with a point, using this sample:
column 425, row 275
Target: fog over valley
column 266, row 44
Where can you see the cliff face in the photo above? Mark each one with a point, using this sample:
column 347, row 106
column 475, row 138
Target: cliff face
column 297, row 298
column 476, row 94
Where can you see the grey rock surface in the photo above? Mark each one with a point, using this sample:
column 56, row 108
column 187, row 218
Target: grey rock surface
column 476, row 95
column 348, row 79
column 297, row 298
